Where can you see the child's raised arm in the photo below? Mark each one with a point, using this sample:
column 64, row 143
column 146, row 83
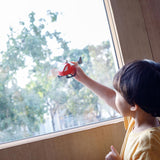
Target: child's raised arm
column 107, row 94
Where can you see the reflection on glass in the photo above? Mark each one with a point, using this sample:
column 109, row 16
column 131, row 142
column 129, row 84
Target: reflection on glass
column 33, row 101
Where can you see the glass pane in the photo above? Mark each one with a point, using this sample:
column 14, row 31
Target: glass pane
column 36, row 38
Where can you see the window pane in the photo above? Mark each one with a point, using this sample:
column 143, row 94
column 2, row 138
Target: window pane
column 37, row 37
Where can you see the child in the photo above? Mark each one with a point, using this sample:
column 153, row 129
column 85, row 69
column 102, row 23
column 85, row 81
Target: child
column 137, row 98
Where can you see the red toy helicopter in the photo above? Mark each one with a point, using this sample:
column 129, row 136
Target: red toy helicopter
column 68, row 69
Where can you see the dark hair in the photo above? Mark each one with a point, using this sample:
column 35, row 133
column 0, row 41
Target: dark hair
column 139, row 83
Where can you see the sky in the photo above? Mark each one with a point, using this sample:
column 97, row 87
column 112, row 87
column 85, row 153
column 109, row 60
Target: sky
column 80, row 21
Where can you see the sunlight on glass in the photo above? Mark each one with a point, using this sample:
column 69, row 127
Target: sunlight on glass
column 36, row 38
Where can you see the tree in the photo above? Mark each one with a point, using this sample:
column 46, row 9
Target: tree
column 97, row 60
column 103, row 70
column 22, row 108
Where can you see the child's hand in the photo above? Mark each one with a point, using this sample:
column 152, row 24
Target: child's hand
column 113, row 155
column 80, row 75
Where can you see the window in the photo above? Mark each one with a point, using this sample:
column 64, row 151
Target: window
column 41, row 36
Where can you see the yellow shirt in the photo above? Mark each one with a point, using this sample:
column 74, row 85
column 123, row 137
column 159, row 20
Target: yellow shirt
column 144, row 145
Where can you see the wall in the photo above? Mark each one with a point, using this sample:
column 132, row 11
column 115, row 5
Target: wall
column 137, row 24
column 136, row 33
column 151, row 14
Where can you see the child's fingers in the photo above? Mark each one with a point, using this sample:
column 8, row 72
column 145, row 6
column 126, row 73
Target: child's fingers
column 113, row 155
column 114, row 151
column 75, row 63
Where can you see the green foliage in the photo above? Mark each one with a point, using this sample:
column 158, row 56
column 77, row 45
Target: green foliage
column 22, row 109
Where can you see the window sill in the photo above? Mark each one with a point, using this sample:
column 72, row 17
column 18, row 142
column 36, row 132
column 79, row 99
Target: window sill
column 61, row 133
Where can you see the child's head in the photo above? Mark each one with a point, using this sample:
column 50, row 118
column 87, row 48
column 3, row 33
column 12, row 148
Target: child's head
column 139, row 83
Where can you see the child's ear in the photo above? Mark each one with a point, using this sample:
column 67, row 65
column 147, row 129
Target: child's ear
column 134, row 108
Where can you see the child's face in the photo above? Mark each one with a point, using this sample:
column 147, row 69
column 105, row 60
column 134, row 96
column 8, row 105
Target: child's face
column 122, row 105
